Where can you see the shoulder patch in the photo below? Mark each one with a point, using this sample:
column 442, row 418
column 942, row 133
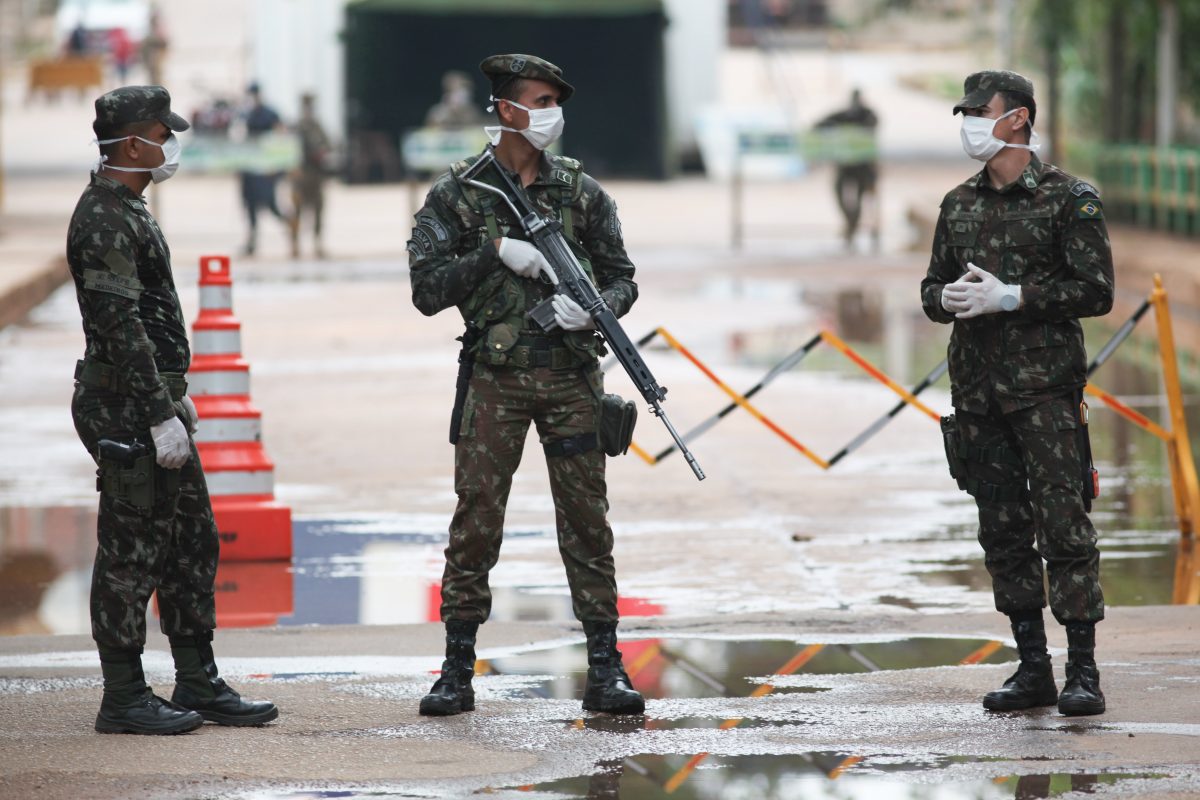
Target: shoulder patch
column 434, row 226
column 429, row 235
column 1089, row 208
column 564, row 176
column 1080, row 188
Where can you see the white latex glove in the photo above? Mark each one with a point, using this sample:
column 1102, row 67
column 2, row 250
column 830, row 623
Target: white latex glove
column 193, row 417
column 171, row 443
column 525, row 259
column 979, row 292
column 569, row 315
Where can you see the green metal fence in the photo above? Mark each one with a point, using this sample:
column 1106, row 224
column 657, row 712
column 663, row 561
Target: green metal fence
column 1150, row 187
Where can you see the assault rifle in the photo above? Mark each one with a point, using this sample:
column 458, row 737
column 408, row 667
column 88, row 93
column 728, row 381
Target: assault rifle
column 546, row 235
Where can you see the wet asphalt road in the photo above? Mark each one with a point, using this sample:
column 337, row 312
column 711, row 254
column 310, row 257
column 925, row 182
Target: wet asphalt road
column 873, row 707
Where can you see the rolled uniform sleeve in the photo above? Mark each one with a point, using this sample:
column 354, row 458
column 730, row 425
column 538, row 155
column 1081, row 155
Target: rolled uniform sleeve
column 442, row 274
column 605, row 245
column 109, row 289
column 942, row 270
column 1084, row 286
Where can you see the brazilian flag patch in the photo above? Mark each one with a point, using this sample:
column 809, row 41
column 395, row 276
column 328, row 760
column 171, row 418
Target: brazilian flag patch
column 1089, row 208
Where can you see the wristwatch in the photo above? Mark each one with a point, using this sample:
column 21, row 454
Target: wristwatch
column 1011, row 299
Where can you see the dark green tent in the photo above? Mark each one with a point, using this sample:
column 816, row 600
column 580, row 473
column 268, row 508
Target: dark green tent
column 610, row 50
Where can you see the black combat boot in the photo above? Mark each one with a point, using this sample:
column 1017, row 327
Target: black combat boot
column 1032, row 684
column 452, row 693
column 129, row 705
column 608, row 686
column 1081, row 696
column 198, row 686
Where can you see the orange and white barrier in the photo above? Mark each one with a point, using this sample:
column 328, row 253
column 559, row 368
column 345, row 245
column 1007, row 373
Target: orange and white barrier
column 241, row 478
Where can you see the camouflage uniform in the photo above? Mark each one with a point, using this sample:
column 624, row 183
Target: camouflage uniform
column 131, row 378
column 522, row 375
column 308, row 183
column 1016, row 377
column 852, row 180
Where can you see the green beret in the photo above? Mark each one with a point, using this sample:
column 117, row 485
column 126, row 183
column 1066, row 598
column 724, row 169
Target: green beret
column 129, row 104
column 980, row 87
column 504, row 69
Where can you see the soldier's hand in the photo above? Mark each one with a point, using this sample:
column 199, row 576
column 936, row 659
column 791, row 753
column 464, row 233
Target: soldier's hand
column 525, row 259
column 980, row 292
column 193, row 417
column 954, row 298
column 569, row 315
column 170, row 443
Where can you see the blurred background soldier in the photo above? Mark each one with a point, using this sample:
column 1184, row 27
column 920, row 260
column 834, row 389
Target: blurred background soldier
column 308, row 180
column 155, row 531
column 456, row 109
column 857, row 171
column 467, row 251
column 258, row 188
column 1020, row 253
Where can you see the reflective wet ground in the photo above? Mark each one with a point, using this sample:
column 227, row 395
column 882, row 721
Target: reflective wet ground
column 811, row 776
column 378, row 570
column 724, row 715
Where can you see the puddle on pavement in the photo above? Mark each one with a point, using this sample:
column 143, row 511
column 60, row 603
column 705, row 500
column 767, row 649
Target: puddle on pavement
column 813, row 776
column 378, row 570
column 698, row 668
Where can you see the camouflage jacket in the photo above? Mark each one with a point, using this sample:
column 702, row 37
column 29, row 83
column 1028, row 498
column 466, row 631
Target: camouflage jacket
column 131, row 314
column 1046, row 232
column 453, row 260
column 314, row 146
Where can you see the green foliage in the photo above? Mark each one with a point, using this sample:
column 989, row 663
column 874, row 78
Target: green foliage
column 1109, row 62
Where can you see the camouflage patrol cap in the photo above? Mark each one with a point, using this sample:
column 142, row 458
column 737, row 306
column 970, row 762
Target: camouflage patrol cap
column 980, row 87
column 131, row 104
column 504, row 69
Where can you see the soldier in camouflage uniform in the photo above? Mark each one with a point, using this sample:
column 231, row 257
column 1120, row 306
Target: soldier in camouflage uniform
column 1020, row 253
column 308, row 181
column 155, row 530
column 468, row 251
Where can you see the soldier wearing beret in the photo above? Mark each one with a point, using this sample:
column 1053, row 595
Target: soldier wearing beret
column 1020, row 254
column 155, row 530
column 469, row 252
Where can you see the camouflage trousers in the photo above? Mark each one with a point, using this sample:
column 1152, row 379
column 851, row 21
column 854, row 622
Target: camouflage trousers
column 1048, row 523
column 170, row 548
column 501, row 403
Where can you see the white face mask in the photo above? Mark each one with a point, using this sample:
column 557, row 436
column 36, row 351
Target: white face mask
column 545, row 126
column 171, row 149
column 979, row 143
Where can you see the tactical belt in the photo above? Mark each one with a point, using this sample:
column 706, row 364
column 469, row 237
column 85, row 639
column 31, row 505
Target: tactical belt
column 105, row 376
column 543, row 351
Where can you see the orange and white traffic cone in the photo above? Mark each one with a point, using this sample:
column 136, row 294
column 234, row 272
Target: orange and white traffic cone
column 241, row 478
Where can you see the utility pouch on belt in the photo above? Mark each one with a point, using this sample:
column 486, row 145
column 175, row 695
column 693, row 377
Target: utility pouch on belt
column 958, row 466
column 615, row 426
column 126, row 472
column 1091, row 477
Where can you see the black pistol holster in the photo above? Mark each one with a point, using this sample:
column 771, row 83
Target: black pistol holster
column 466, row 368
column 961, row 455
column 126, row 472
column 958, row 467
